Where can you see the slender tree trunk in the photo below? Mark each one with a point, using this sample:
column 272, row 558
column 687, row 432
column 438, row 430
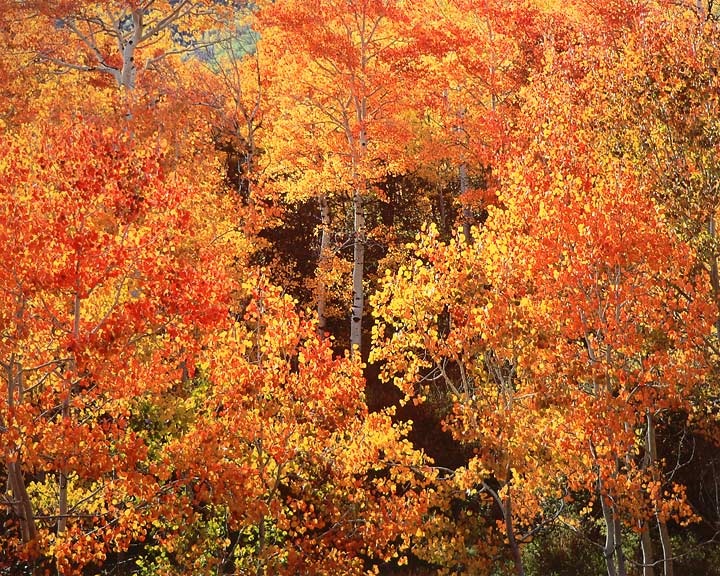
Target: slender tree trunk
column 714, row 275
column 21, row 505
column 63, row 489
column 360, row 185
column 665, row 542
column 63, row 476
column 323, row 261
column 614, row 559
column 609, row 550
column 514, row 547
column 358, row 295
column 646, row 548
column 467, row 216
column 617, row 527
column 700, row 9
column 128, row 73
column 20, row 501
column 442, row 211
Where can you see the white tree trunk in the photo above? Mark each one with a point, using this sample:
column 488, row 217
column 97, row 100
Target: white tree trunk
column 665, row 542
column 467, row 216
column 323, row 260
column 128, row 72
column 358, row 295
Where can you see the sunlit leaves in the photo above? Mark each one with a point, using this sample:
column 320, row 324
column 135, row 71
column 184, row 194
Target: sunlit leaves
column 287, row 443
column 103, row 266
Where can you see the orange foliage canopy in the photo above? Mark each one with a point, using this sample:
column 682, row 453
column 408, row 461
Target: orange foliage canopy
column 107, row 275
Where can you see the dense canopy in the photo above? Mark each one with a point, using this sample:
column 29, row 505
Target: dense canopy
column 360, row 287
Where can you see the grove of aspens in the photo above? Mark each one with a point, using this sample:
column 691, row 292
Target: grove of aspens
column 360, row 287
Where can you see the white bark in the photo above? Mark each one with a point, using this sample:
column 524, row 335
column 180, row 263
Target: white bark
column 614, row 556
column 323, row 260
column 466, row 211
column 128, row 73
column 610, row 544
column 358, row 295
column 665, row 543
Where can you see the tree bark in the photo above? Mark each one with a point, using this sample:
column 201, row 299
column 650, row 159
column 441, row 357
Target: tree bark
column 63, row 491
column 467, row 216
column 648, row 557
column 714, row 275
column 63, row 475
column 668, row 569
column 358, row 294
column 665, row 542
column 609, row 550
column 619, row 553
column 614, row 557
column 514, row 547
column 20, row 501
column 21, row 505
column 323, row 261
column 128, row 72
